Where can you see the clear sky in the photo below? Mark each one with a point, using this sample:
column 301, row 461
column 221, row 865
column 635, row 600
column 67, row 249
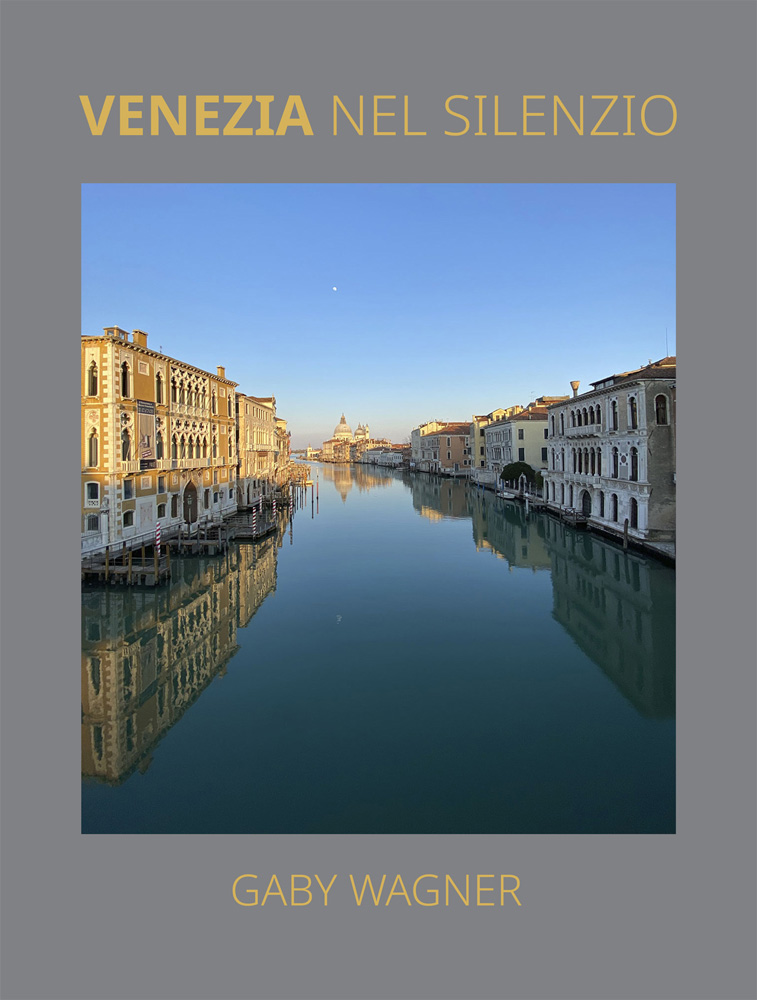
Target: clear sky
column 451, row 299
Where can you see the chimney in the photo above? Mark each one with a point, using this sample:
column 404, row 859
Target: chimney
column 574, row 386
column 139, row 338
column 221, row 371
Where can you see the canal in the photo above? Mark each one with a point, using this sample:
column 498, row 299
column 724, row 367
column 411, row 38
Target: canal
column 406, row 655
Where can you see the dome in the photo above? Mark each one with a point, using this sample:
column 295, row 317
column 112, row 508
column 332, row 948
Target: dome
column 342, row 430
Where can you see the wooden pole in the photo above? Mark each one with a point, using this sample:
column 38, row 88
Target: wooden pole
column 625, row 534
column 156, row 563
column 107, row 558
column 143, row 553
column 128, row 575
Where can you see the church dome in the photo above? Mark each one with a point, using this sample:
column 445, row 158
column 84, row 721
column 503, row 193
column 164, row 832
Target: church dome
column 343, row 430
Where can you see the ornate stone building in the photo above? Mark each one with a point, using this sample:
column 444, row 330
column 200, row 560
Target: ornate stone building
column 256, row 446
column 157, row 441
column 612, row 454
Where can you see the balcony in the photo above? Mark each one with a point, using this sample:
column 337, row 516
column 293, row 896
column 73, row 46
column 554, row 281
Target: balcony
column 585, row 431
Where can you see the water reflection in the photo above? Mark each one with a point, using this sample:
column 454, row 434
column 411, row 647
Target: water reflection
column 364, row 477
column 147, row 655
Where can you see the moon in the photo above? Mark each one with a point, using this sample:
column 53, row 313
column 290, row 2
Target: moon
column 333, row 288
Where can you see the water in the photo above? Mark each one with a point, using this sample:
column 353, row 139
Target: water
column 414, row 657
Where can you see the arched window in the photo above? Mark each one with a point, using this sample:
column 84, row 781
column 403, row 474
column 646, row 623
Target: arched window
column 553, row 458
column 615, row 466
column 614, row 507
column 174, row 395
column 599, row 461
column 634, row 464
column 586, row 417
column 578, row 418
column 552, row 425
column 92, row 458
column 215, row 447
column 174, row 448
column 158, row 388
column 92, row 380
column 661, row 409
column 614, row 415
column 128, row 518
column 125, row 446
column 182, row 447
column 634, row 518
column 580, row 461
column 562, row 423
column 562, row 493
column 125, row 380
column 93, row 522
column 182, row 393
column 591, row 414
column 601, row 504
column 159, row 445
column 633, row 413
column 214, row 403
column 572, row 418
column 204, row 447
column 575, row 460
column 593, row 462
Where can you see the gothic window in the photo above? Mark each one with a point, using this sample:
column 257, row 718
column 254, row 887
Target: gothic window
column 552, row 424
column 601, row 504
column 634, row 519
column 174, row 448
column 92, row 380
column 599, row 461
column 633, row 415
column 182, row 447
column 572, row 418
column 562, row 423
column 174, row 396
column 634, row 464
column 159, row 445
column 591, row 414
column 214, row 403
column 615, row 463
column 614, row 507
column 215, row 447
column 204, row 447
column 614, row 415
column 578, row 418
column 158, row 388
column 182, row 393
column 586, row 417
column 125, row 446
column 593, row 462
column 125, row 380
column 661, row 409
column 92, row 457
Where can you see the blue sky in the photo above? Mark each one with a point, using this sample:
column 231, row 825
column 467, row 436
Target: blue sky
column 451, row 299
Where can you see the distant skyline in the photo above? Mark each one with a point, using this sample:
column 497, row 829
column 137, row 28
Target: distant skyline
column 391, row 303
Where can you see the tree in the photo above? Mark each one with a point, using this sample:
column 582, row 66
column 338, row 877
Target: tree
column 512, row 473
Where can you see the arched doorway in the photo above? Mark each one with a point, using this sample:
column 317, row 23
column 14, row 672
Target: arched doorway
column 190, row 503
column 586, row 503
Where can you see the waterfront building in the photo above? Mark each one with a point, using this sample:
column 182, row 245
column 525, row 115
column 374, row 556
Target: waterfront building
column 337, row 448
column 256, row 446
column 281, row 454
column 446, row 451
column 519, row 435
column 158, row 441
column 478, row 442
column 612, row 454
column 415, row 440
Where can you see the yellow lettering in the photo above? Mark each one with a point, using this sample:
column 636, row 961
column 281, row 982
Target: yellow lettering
column 512, row 891
column 407, row 132
column 158, row 107
column 398, row 892
column 326, row 889
column 432, row 892
column 367, row 882
column 264, row 100
column 294, row 102
column 612, row 98
column 658, row 97
column 531, row 114
column 448, row 882
column 125, row 101
column 480, row 98
column 300, row 888
column 202, row 114
column 579, row 128
column 244, row 101
column 253, row 891
column 358, row 128
column 273, row 892
column 483, row 888
column 456, row 97
column 496, row 118
column 96, row 127
column 628, row 98
column 382, row 114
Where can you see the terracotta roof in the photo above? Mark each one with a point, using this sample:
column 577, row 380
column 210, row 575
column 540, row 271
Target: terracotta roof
column 535, row 413
column 664, row 368
column 457, row 428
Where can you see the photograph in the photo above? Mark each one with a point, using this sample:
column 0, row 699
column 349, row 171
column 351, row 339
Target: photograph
column 378, row 508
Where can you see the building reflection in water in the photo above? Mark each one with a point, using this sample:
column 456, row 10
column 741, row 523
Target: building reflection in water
column 617, row 605
column 147, row 654
column 364, row 477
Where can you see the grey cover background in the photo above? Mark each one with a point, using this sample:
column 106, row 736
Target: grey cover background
column 153, row 917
